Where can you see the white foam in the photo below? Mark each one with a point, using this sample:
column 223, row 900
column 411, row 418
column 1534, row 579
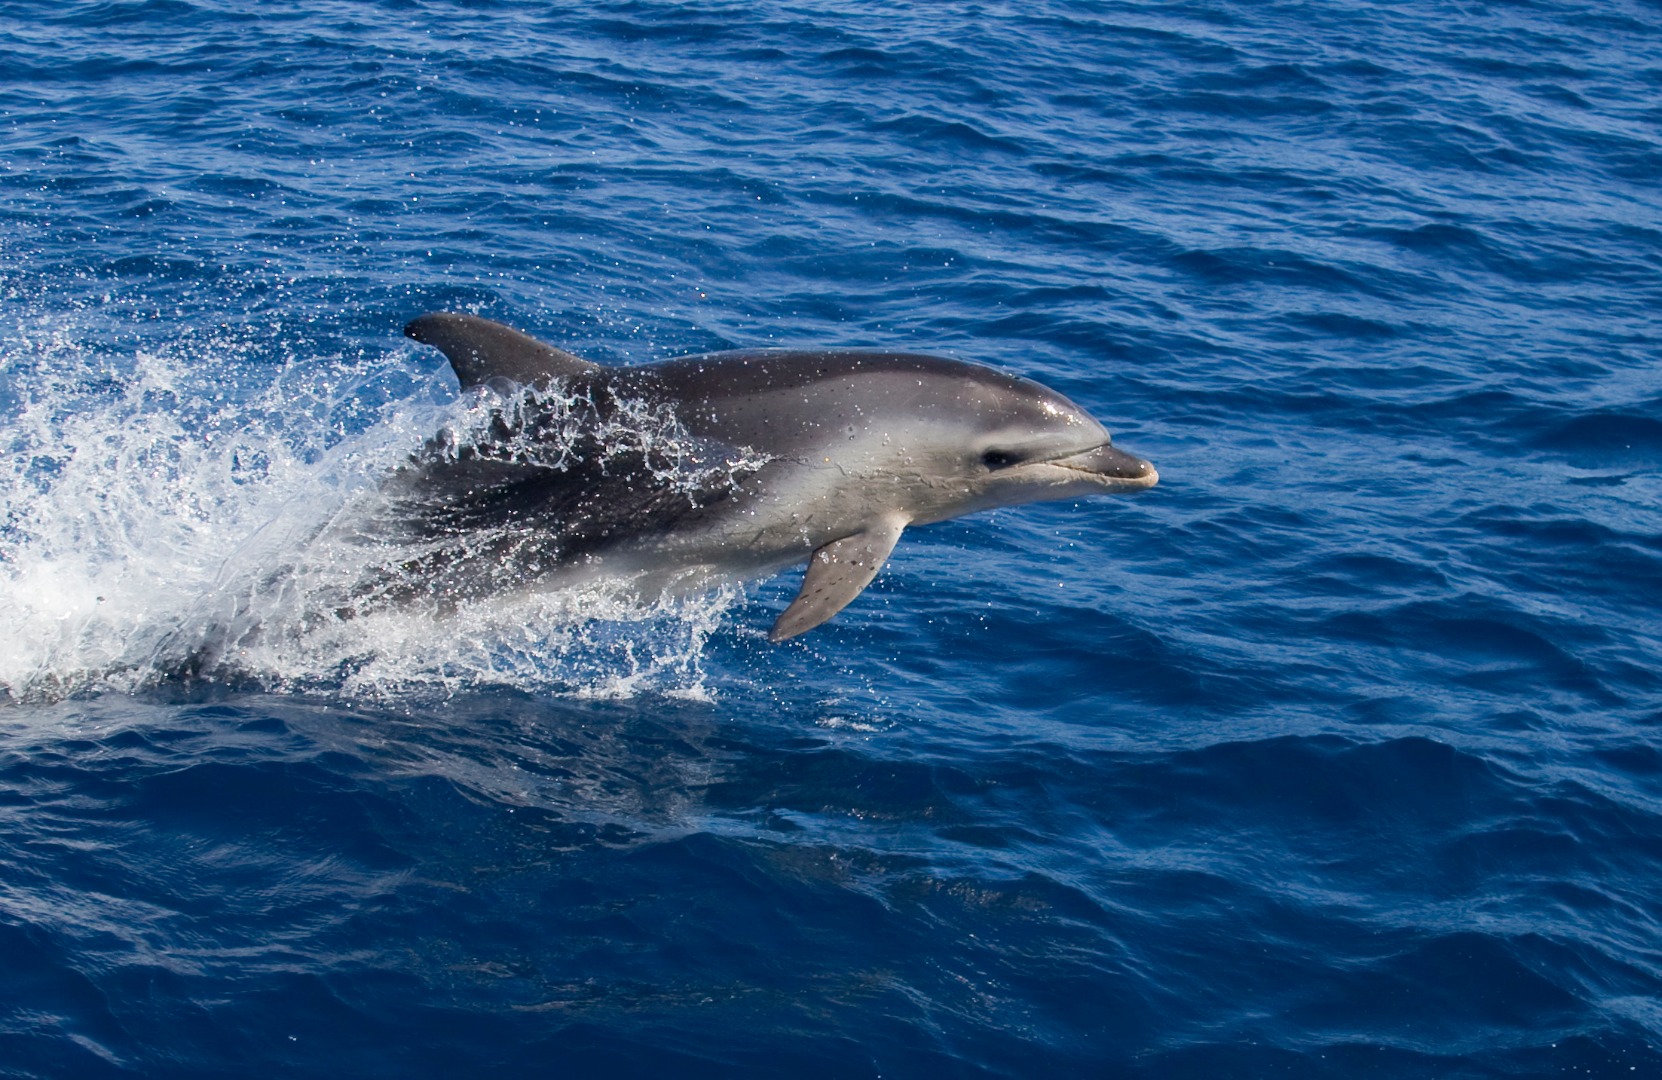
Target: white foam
column 156, row 499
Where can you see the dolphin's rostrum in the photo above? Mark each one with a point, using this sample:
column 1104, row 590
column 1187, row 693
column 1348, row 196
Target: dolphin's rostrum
column 728, row 465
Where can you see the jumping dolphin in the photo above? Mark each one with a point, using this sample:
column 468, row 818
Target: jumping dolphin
column 727, row 465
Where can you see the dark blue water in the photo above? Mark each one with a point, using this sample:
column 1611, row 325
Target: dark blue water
column 1337, row 754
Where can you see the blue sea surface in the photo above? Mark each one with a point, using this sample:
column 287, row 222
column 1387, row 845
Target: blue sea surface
column 1337, row 754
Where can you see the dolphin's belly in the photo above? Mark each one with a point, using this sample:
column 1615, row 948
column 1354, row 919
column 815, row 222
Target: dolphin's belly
column 470, row 530
column 774, row 521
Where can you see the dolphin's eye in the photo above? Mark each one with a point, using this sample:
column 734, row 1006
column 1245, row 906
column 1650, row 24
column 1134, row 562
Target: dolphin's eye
column 1000, row 459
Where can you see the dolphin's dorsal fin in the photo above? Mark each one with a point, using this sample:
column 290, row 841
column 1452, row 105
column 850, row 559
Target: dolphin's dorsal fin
column 837, row 573
column 481, row 350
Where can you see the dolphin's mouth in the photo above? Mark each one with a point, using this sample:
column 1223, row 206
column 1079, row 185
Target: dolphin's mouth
column 1112, row 467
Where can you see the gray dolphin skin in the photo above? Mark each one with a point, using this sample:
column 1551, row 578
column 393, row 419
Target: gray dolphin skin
column 778, row 457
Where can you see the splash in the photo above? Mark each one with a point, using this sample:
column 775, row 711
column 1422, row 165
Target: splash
column 182, row 510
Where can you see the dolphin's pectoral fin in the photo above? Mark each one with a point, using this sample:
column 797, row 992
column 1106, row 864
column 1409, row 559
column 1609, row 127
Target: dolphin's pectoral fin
column 481, row 350
column 837, row 573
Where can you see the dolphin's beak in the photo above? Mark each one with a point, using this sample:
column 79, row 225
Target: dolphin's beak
column 1112, row 467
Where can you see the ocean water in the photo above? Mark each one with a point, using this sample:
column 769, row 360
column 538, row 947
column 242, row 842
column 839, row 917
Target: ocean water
column 1337, row 754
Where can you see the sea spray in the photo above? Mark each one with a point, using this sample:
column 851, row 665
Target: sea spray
column 163, row 522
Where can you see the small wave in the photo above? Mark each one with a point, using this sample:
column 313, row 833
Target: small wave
column 1606, row 440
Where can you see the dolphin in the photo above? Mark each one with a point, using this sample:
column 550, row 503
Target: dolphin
column 722, row 466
